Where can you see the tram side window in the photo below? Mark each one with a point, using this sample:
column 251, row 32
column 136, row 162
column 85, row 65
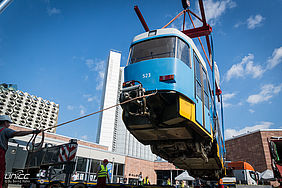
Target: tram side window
column 183, row 52
column 198, row 77
column 206, row 89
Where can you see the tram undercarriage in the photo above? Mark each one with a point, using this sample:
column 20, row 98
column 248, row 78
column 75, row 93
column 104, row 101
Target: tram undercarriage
column 156, row 121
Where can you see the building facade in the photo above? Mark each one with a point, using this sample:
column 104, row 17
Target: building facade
column 28, row 110
column 111, row 129
column 252, row 147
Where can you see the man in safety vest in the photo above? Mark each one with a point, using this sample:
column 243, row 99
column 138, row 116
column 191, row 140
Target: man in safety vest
column 168, row 181
column 102, row 174
column 146, row 181
column 5, row 134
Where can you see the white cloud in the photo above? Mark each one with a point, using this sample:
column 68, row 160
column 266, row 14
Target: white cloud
column 266, row 93
column 238, row 24
column 82, row 110
column 275, row 59
column 254, row 21
column 84, row 137
column 214, row 9
column 236, row 70
column 226, row 97
column 225, row 105
column 90, row 64
column 98, row 66
column 53, row 11
column 245, row 67
column 254, row 70
column 70, row 107
column 90, row 98
column 251, row 111
column 229, row 133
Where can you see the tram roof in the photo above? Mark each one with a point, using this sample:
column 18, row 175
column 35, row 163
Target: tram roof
column 169, row 32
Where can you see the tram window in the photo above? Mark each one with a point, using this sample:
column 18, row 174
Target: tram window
column 154, row 48
column 198, row 77
column 198, row 89
column 183, row 52
column 206, row 89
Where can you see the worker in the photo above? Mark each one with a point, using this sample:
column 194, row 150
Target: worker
column 140, row 179
column 182, row 184
column 168, row 181
column 220, row 183
column 146, row 181
column 102, row 174
column 74, row 176
column 5, row 134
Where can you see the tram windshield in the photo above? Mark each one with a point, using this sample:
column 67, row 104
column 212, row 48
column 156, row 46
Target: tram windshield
column 154, row 48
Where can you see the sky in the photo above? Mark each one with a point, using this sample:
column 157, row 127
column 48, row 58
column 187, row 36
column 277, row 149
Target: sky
column 58, row 50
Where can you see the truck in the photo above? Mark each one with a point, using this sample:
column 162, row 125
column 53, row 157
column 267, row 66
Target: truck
column 240, row 172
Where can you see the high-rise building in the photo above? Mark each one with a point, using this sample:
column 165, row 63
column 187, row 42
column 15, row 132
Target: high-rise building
column 28, row 110
column 112, row 131
column 107, row 119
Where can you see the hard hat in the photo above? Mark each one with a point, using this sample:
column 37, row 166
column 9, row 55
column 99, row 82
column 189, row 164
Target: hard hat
column 105, row 161
column 5, row 118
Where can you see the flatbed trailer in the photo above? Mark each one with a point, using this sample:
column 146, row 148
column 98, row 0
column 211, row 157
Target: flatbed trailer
column 81, row 184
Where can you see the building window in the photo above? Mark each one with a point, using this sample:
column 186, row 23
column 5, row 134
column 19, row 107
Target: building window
column 120, row 168
column 81, row 164
column 94, row 165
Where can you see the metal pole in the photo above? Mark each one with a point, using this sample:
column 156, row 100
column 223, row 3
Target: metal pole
column 222, row 122
column 170, row 177
column 113, row 170
column 142, row 20
column 4, row 4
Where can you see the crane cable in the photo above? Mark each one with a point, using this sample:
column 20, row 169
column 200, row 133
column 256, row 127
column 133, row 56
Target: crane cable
column 39, row 146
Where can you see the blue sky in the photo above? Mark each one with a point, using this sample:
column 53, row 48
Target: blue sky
column 58, row 49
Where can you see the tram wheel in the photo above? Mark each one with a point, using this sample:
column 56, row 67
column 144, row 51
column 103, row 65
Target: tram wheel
column 79, row 185
column 54, row 184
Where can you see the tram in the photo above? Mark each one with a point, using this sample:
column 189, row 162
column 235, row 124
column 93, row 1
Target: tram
column 178, row 120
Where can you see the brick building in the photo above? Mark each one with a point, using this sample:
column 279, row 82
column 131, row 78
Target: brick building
column 252, row 147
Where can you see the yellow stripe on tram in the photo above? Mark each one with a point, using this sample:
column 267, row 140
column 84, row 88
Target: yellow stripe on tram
column 188, row 111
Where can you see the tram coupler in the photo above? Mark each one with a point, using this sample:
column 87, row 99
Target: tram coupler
column 130, row 91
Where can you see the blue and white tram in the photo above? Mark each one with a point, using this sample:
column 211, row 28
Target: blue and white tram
column 177, row 122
